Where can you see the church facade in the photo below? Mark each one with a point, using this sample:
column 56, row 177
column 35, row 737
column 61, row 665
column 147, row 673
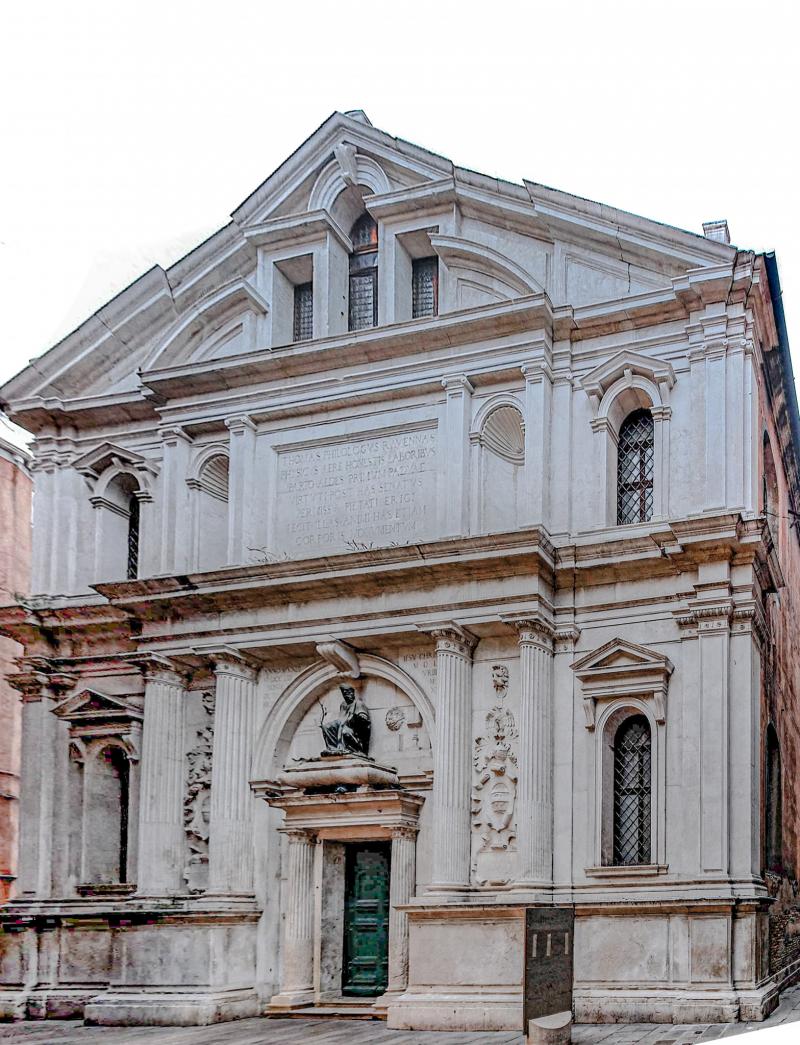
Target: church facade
column 416, row 552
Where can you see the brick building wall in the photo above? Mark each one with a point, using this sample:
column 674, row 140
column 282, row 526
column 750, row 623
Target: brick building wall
column 15, row 549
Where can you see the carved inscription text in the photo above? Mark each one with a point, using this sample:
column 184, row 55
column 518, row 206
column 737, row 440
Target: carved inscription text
column 357, row 494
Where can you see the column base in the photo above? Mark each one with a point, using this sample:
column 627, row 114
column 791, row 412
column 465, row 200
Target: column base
column 166, row 1009
column 291, row 1000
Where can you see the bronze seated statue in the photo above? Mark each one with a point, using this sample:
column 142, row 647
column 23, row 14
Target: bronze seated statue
column 350, row 733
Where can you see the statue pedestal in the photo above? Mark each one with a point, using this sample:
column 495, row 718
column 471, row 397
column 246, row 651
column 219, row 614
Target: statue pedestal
column 332, row 771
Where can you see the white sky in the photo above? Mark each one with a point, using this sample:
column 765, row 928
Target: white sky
column 130, row 131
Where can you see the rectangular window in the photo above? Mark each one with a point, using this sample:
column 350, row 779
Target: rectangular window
column 424, row 287
column 363, row 311
column 303, row 312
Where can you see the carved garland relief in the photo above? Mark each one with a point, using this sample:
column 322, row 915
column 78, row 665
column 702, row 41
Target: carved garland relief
column 197, row 800
column 495, row 789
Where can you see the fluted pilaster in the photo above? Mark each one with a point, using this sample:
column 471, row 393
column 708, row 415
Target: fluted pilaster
column 535, row 780
column 401, row 890
column 230, row 850
column 452, row 784
column 297, row 976
column 161, row 835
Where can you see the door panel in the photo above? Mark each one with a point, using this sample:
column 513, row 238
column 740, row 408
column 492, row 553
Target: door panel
column 366, row 919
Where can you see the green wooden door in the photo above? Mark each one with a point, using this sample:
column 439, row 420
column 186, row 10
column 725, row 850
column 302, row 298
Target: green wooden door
column 366, row 919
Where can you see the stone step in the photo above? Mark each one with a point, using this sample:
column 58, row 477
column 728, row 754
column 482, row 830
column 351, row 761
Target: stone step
column 341, row 1009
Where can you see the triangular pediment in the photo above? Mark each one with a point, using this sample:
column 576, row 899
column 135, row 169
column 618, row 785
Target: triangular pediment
column 90, row 705
column 621, row 656
column 209, row 304
column 598, row 381
column 96, row 461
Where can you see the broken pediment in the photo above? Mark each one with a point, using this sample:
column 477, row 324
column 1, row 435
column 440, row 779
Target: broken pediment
column 623, row 669
column 478, row 265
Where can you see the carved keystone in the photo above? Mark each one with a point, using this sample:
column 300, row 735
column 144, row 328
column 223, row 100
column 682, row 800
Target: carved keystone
column 343, row 657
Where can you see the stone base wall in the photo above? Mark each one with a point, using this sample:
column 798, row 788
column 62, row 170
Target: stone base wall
column 703, row 963
column 135, row 968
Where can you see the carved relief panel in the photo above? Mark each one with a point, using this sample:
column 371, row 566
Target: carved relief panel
column 197, row 798
column 495, row 787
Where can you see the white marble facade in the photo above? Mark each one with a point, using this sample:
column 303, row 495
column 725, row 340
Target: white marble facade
column 240, row 503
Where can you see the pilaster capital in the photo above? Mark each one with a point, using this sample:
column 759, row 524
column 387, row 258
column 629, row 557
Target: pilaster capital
column 38, row 679
column 457, row 383
column 227, row 660
column 157, row 668
column 405, row 832
column 239, row 424
column 536, row 371
column 171, row 435
column 298, row 836
column 451, row 638
column 532, row 630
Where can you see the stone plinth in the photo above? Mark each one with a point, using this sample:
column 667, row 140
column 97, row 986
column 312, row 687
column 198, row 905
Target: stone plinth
column 332, row 771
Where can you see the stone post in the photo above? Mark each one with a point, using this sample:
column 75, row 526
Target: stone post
column 161, row 834
column 230, row 850
column 535, row 781
column 452, row 758
column 401, row 890
column 297, row 975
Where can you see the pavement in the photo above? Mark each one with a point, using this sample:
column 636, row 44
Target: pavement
column 268, row 1031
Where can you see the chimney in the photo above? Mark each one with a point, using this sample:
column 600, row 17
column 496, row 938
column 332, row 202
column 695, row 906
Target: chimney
column 717, row 230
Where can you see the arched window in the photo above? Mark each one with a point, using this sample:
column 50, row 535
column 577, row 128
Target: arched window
column 632, row 792
column 363, row 307
column 635, row 457
column 774, row 803
column 105, row 828
column 133, row 538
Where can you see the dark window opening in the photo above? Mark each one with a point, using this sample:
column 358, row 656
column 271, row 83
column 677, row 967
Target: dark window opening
column 133, row 538
column 774, row 804
column 632, row 792
column 303, row 312
column 424, row 287
column 635, row 458
column 363, row 303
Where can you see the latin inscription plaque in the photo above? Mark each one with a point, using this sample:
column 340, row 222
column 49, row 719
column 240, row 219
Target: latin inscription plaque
column 355, row 494
column 549, row 932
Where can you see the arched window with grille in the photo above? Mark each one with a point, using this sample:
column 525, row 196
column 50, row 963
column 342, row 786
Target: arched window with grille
column 632, row 792
column 635, row 458
column 363, row 307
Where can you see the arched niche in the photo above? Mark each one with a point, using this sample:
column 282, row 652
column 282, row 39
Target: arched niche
column 209, row 482
column 291, row 728
column 498, row 450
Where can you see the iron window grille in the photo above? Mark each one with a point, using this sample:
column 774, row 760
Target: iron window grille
column 632, row 792
column 635, row 457
column 303, row 312
column 424, row 287
column 132, row 571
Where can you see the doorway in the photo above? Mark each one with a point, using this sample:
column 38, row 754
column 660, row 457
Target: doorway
column 365, row 968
